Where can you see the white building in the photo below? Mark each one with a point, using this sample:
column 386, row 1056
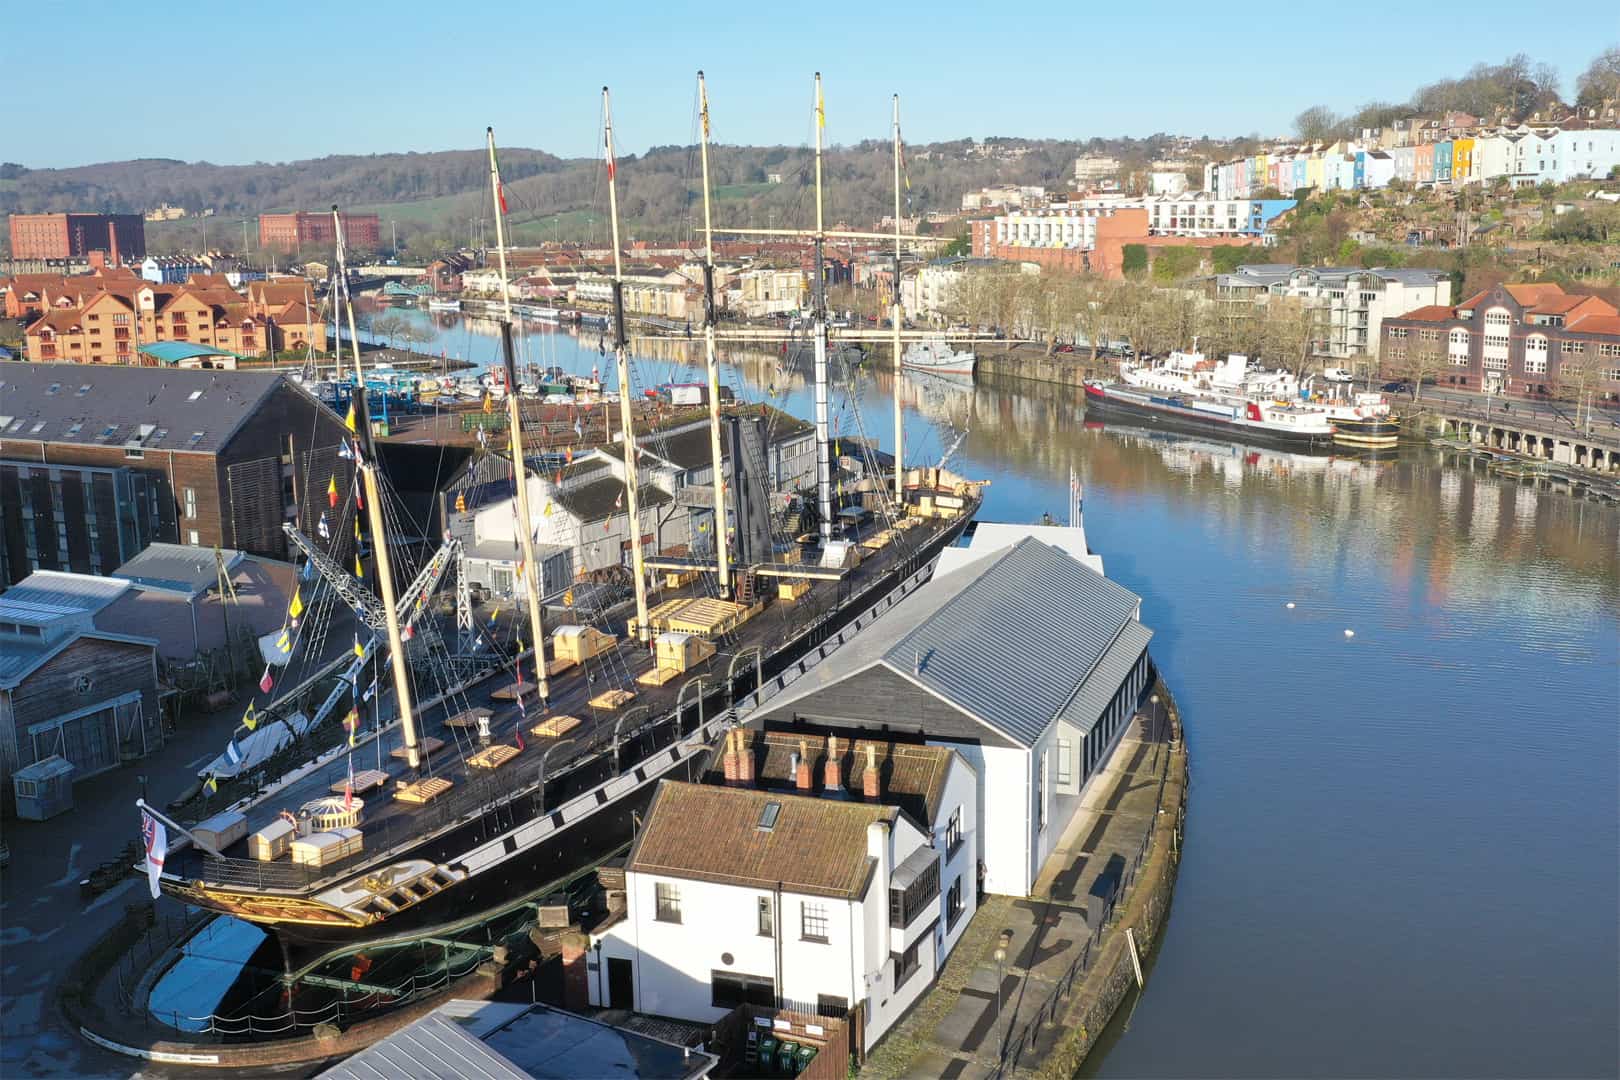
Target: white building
column 481, row 282
column 1351, row 303
column 768, row 290
column 834, row 878
column 927, row 293
column 1021, row 657
column 1093, row 167
column 1048, row 228
column 1167, row 183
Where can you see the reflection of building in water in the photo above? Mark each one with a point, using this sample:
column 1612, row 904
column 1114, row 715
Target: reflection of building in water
column 945, row 399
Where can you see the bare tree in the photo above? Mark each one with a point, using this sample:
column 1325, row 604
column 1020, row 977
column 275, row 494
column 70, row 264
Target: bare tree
column 1600, row 82
column 1096, row 313
column 1316, row 124
column 1417, row 358
column 1291, row 332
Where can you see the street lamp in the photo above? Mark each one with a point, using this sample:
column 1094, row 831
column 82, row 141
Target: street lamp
column 1155, row 700
column 1001, row 1024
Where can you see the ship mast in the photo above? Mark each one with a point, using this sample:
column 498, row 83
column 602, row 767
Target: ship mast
column 722, row 555
column 514, row 419
column 819, row 315
column 621, row 353
column 367, row 460
column 894, row 320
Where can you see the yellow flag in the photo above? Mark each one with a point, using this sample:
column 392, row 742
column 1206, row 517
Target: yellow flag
column 349, row 421
column 212, row 784
column 250, row 719
column 359, row 571
column 821, row 109
column 358, row 650
column 284, row 642
column 568, row 597
column 547, row 511
column 297, row 608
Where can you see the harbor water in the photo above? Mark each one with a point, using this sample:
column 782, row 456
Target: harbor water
column 1399, row 681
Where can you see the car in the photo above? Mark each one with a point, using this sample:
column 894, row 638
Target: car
column 1065, row 348
column 1395, row 387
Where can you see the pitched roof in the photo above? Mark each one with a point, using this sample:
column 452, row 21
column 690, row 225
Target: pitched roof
column 603, row 498
column 1009, row 639
column 706, row 833
column 1018, row 639
column 1429, row 313
column 1530, row 295
column 913, row 776
column 106, row 405
column 1595, row 324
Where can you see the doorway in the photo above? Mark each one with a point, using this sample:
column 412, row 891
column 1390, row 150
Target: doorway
column 621, row 993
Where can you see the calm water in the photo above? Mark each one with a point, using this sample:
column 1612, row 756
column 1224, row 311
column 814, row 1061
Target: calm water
column 1402, row 847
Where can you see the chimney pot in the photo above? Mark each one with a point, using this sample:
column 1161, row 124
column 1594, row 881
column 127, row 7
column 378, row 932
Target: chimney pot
column 729, row 759
column 801, row 767
column 871, row 787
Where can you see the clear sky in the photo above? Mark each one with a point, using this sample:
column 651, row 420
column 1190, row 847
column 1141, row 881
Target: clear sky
column 232, row 83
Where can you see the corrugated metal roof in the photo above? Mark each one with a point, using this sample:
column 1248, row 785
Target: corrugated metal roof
column 1019, row 639
column 432, row 1048
column 177, row 568
column 1086, row 707
column 47, row 595
column 108, row 405
column 172, row 352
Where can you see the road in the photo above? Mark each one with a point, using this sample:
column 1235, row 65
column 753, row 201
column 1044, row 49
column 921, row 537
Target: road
column 1561, row 415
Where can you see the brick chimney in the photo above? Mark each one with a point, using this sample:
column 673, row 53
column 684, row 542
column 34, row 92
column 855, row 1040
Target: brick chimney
column 832, row 771
column 112, row 242
column 745, row 759
column 871, row 786
column 728, row 760
column 801, row 773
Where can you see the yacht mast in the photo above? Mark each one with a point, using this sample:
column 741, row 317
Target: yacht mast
column 722, row 555
column 819, row 315
column 894, row 319
column 621, row 353
column 514, row 418
column 367, row 460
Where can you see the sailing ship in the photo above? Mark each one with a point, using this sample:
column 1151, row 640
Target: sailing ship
column 493, row 791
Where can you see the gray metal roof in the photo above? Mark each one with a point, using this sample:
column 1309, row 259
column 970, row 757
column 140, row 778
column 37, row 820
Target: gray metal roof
column 107, row 405
column 432, row 1048
column 45, row 596
column 491, row 1040
column 1019, row 640
column 178, row 568
column 1086, row 707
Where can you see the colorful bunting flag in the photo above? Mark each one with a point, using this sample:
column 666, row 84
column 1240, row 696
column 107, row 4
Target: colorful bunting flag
column 358, row 650
column 211, row 785
column 322, row 529
column 331, row 492
column 297, row 607
column 250, row 719
column 265, row 681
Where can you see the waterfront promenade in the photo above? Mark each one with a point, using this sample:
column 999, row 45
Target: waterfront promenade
column 1066, row 965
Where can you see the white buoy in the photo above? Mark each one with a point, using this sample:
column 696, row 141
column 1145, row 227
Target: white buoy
column 1290, row 605
column 1349, row 633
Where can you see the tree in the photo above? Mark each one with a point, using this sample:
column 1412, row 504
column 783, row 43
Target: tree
column 1290, row 332
column 1316, row 124
column 1097, row 311
column 1135, row 260
column 1417, row 358
column 388, row 325
column 1600, row 82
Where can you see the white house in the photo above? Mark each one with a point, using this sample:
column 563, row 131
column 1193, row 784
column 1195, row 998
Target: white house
column 829, row 877
column 1025, row 660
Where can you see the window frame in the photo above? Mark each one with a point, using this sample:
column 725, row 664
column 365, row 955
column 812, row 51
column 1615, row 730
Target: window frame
column 667, row 902
column 811, row 914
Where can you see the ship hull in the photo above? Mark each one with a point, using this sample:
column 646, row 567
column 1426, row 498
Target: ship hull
column 950, row 367
column 1105, row 402
column 1364, row 433
column 517, row 847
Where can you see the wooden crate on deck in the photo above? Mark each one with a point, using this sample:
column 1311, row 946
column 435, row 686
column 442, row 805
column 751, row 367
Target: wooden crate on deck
column 326, row 848
column 612, row 699
column 581, row 643
column 682, row 652
column 554, row 727
column 791, row 589
column 493, row 757
column 658, row 676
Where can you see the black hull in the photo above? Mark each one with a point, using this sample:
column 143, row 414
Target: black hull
column 1371, row 434
column 587, row 841
column 1106, row 406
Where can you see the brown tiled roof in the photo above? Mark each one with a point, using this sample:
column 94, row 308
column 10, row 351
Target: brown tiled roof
column 1531, row 295
column 1474, row 301
column 1429, row 313
column 705, row 833
column 1595, row 324
column 913, row 777
column 210, row 281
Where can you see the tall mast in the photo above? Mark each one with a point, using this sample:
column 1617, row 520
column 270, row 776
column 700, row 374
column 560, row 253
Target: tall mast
column 722, row 555
column 379, row 535
column 819, row 315
column 894, row 319
column 621, row 353
column 514, row 420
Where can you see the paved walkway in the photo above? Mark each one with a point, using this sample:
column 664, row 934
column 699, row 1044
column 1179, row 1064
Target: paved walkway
column 955, row 1031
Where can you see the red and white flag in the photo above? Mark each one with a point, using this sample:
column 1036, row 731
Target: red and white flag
column 500, row 194
column 265, row 682
column 607, row 152
column 156, row 839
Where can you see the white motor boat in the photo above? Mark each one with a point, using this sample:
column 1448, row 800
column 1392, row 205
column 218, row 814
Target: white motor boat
column 937, row 356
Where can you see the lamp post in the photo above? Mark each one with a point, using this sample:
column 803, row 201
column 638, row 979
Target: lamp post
column 1155, row 700
column 1001, row 1024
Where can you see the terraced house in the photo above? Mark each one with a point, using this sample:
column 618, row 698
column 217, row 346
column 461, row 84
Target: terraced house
column 1528, row 340
column 90, row 319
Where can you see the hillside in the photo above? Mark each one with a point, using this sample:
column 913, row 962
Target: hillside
column 436, row 198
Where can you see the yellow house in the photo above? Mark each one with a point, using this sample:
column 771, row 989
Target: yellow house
column 1313, row 171
column 1462, row 160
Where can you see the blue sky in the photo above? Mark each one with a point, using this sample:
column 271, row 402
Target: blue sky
column 227, row 83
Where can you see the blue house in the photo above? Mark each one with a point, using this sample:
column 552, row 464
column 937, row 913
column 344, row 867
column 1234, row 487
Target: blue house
column 1442, row 162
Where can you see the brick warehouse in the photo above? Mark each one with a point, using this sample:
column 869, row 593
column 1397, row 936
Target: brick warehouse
column 69, row 236
column 292, row 231
column 225, row 457
column 1523, row 340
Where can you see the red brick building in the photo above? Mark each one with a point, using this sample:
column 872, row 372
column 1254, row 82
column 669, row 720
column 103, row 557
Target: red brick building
column 1106, row 254
column 72, row 236
column 295, row 231
column 1528, row 340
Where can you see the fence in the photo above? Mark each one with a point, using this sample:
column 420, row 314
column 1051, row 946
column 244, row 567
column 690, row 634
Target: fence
column 1023, row 1037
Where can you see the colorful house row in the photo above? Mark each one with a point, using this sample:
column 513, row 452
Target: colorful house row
column 1522, row 157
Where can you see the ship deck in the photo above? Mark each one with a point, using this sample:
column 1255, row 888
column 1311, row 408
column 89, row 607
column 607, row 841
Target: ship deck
column 392, row 825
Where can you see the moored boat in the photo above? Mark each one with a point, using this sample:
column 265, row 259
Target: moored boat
column 938, row 357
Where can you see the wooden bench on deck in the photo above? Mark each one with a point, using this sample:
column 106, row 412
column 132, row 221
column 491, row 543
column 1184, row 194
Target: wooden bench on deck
column 364, row 780
column 493, row 757
column 555, row 727
column 419, row 792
